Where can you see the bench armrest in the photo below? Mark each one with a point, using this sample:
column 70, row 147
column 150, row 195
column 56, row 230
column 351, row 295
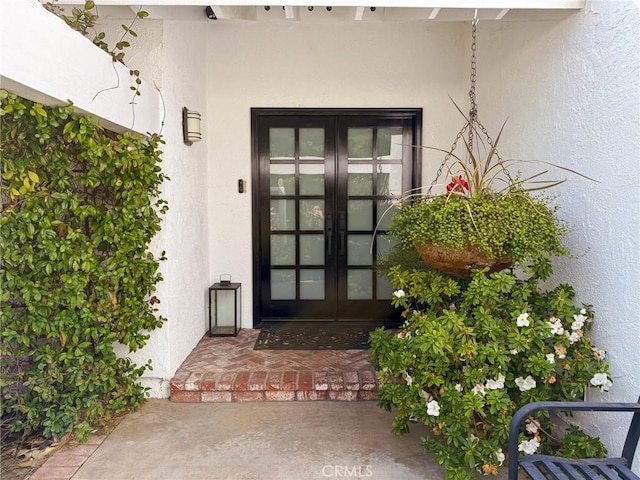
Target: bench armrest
column 526, row 410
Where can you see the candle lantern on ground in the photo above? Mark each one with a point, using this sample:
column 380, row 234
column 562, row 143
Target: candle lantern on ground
column 224, row 308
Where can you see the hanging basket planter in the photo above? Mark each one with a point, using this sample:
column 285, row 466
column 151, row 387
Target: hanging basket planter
column 490, row 216
column 459, row 263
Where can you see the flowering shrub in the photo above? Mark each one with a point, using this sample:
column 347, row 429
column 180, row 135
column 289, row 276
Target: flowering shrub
column 471, row 352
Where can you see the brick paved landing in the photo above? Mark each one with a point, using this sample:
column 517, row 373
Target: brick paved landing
column 227, row 369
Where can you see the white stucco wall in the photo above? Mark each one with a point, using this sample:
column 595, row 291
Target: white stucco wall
column 314, row 65
column 166, row 51
column 572, row 92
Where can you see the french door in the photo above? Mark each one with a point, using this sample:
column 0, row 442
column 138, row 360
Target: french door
column 326, row 184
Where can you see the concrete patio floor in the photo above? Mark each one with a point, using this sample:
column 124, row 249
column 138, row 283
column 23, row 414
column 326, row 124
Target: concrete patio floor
column 250, row 440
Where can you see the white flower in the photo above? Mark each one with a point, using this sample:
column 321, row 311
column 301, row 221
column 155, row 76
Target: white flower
column 399, row 293
column 496, row 384
column 426, row 396
column 404, row 334
column 500, row 457
column 408, row 379
column 529, row 447
column 433, row 408
column 583, row 311
column 458, row 387
column 574, row 337
column 532, row 427
column 556, row 326
column 551, row 358
column 598, row 354
column 578, row 322
column 514, row 351
column 523, row 320
column 479, row 389
column 525, row 384
column 601, row 379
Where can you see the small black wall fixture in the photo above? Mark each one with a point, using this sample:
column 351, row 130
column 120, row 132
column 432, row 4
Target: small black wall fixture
column 191, row 126
column 211, row 15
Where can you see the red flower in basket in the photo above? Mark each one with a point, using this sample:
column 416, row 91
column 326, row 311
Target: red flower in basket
column 458, row 185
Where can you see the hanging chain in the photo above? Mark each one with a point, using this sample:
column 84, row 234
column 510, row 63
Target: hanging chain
column 446, row 159
column 473, row 107
column 472, row 113
column 472, row 124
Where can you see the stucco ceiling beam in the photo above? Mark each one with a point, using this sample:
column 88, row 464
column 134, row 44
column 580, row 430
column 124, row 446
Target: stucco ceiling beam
column 502, row 13
column 290, row 12
column 223, row 13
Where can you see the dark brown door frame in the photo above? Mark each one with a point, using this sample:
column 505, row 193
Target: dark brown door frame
column 258, row 114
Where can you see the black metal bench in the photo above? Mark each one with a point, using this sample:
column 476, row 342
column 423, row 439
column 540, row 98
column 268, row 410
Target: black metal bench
column 548, row 467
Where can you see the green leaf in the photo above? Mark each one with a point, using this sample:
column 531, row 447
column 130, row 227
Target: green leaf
column 34, row 177
column 38, row 110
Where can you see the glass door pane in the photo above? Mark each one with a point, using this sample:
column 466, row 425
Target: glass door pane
column 297, row 191
column 375, row 163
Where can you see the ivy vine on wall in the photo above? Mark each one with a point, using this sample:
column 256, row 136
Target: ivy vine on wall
column 80, row 205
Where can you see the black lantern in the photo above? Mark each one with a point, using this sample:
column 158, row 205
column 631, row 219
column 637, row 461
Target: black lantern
column 224, row 308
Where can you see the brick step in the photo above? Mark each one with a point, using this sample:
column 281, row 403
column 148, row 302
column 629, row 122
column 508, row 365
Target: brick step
column 260, row 386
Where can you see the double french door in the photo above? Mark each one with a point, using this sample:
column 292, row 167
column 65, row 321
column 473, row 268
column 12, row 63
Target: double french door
column 328, row 182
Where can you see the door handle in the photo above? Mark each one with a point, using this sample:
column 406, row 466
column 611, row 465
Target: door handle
column 329, row 234
column 342, row 220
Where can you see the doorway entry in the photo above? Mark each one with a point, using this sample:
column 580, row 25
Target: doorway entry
column 326, row 183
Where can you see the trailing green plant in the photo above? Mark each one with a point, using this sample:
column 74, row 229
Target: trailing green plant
column 471, row 352
column 80, row 205
column 83, row 20
column 512, row 224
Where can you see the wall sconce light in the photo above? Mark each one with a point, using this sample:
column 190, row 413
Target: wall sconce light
column 191, row 126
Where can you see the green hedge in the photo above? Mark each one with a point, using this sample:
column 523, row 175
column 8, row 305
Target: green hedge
column 80, row 206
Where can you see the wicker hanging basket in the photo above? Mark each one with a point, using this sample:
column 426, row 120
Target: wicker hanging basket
column 459, row 263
